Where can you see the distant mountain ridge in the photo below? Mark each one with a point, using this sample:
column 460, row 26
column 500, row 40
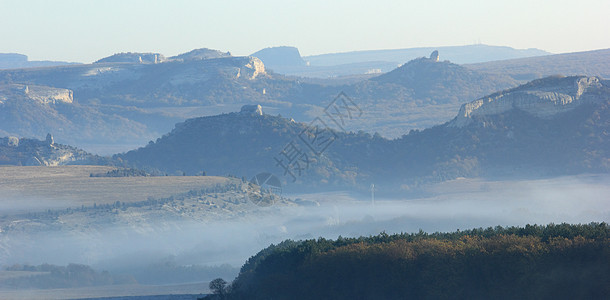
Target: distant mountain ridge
column 131, row 101
column 287, row 60
column 280, row 56
column 18, row 61
column 590, row 63
column 457, row 54
column 199, row 54
column 127, row 77
column 131, row 57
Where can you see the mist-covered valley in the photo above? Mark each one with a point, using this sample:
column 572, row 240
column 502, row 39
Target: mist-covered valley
column 170, row 243
column 335, row 152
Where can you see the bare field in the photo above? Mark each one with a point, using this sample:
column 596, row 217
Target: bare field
column 107, row 291
column 30, row 188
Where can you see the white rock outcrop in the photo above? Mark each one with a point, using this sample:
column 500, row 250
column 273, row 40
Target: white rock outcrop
column 254, row 109
column 253, row 67
column 543, row 98
column 39, row 93
column 11, row 141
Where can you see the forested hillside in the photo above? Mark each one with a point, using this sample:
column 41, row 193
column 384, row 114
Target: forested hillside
column 532, row 262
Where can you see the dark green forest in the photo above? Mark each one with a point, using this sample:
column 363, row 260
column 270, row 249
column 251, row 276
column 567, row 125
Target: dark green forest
column 533, row 262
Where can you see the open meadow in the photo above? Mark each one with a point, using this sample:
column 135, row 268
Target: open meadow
column 31, row 189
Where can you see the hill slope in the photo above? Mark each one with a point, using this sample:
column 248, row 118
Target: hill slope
column 591, row 63
column 34, row 111
column 443, row 82
column 31, row 152
column 246, row 144
column 507, row 142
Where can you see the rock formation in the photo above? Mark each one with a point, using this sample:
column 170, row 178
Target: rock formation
column 543, row 98
column 49, row 139
column 254, row 67
column 46, row 94
column 434, row 55
column 39, row 93
column 12, row 141
column 254, row 109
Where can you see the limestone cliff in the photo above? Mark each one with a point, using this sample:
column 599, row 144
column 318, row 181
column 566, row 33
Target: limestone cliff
column 543, row 98
column 39, row 93
column 252, row 67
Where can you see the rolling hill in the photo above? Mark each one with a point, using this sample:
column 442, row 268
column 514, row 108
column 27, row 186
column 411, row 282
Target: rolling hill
column 33, row 111
column 516, row 132
column 442, row 81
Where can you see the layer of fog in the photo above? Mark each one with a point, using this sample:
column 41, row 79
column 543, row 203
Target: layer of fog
column 461, row 204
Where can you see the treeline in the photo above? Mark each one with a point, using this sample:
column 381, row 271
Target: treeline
column 125, row 172
column 533, row 262
column 48, row 276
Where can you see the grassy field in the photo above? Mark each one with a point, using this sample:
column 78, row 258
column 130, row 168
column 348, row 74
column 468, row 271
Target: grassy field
column 35, row 188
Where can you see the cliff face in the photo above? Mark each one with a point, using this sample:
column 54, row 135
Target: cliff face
column 543, row 98
column 38, row 93
column 47, row 94
column 252, row 67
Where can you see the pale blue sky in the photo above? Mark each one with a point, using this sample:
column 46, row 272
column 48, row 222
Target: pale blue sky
column 86, row 30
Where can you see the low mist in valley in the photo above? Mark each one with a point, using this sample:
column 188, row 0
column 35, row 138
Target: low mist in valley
column 150, row 248
column 167, row 153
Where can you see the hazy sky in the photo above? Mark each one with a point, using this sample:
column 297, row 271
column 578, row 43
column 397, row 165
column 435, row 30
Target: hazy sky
column 86, row 30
